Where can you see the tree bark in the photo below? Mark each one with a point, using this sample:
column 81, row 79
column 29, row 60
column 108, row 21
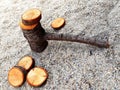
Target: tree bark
column 35, row 38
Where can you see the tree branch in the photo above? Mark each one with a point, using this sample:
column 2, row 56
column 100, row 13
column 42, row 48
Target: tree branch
column 77, row 38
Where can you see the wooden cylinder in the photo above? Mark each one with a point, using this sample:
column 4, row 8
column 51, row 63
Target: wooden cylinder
column 32, row 30
column 35, row 38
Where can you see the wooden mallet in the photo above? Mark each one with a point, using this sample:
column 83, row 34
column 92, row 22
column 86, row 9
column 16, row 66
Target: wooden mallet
column 37, row 37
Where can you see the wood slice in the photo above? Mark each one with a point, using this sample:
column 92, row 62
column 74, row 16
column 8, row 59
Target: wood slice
column 31, row 16
column 17, row 76
column 37, row 76
column 27, row 27
column 27, row 62
column 58, row 23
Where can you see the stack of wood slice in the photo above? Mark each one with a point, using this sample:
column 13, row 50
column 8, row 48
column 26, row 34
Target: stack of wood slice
column 30, row 19
column 32, row 30
column 25, row 69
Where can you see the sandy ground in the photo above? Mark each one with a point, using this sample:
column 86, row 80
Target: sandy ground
column 71, row 66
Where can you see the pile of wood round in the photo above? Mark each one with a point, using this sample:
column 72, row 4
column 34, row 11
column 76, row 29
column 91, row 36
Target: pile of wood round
column 26, row 70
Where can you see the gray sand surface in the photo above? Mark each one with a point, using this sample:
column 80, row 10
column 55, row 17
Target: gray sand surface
column 71, row 66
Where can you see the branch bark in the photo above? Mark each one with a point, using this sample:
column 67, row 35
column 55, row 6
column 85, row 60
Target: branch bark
column 77, row 38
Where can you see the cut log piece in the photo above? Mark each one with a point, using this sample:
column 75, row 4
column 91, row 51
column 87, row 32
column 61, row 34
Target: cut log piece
column 37, row 76
column 17, row 76
column 27, row 62
column 27, row 27
column 58, row 23
column 31, row 16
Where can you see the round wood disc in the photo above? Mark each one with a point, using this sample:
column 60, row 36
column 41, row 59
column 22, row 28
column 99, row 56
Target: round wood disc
column 58, row 23
column 27, row 62
column 31, row 16
column 26, row 27
column 16, row 76
column 37, row 76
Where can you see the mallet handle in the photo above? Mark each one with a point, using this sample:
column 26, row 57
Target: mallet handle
column 77, row 38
